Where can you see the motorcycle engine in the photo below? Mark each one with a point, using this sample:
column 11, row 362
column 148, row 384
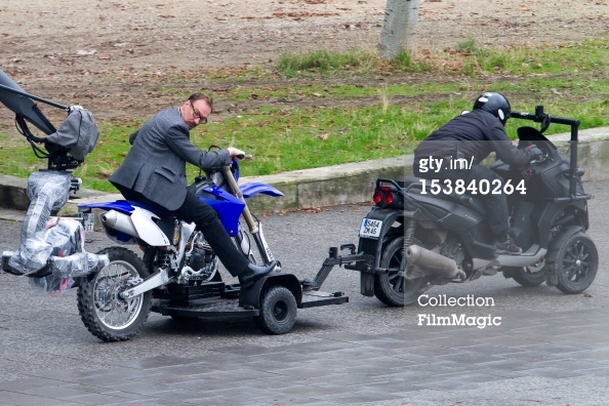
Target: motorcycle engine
column 201, row 263
column 451, row 248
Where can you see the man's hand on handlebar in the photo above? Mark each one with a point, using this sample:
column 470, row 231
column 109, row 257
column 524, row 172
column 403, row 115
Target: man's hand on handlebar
column 238, row 154
column 538, row 154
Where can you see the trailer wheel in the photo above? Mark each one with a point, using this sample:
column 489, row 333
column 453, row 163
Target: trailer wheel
column 277, row 311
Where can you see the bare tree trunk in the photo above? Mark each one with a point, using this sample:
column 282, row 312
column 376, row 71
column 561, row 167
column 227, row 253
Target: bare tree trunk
column 399, row 28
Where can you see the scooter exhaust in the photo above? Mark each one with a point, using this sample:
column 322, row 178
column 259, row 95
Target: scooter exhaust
column 422, row 262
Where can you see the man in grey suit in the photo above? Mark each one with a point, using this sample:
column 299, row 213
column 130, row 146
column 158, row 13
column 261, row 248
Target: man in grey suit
column 154, row 172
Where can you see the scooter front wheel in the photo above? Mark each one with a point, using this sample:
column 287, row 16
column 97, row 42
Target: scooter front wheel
column 526, row 277
column 105, row 313
column 576, row 263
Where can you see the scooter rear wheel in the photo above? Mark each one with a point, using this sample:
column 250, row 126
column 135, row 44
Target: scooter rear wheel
column 391, row 288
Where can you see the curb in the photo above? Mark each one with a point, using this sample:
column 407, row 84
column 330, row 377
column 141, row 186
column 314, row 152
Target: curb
column 329, row 186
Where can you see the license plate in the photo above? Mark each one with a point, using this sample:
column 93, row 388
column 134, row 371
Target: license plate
column 88, row 221
column 370, row 228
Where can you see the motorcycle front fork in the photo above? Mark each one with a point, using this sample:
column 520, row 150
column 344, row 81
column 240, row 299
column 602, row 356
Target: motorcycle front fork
column 263, row 248
column 254, row 226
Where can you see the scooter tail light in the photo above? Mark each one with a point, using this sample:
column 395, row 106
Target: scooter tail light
column 388, row 198
column 377, row 197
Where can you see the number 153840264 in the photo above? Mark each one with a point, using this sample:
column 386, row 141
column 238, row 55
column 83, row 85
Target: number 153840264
column 473, row 187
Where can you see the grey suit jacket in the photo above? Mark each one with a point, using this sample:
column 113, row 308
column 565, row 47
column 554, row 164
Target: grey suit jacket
column 156, row 163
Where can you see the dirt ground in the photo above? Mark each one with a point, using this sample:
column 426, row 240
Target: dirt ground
column 114, row 56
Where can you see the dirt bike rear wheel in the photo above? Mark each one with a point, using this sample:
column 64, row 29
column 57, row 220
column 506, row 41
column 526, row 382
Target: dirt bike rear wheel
column 102, row 310
column 391, row 288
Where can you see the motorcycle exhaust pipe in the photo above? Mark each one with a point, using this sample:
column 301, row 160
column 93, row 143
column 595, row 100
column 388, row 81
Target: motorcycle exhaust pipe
column 119, row 222
column 423, row 262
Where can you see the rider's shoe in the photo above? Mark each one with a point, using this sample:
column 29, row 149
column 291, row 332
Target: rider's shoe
column 507, row 247
column 254, row 272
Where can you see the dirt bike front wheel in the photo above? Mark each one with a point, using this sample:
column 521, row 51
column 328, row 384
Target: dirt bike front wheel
column 102, row 309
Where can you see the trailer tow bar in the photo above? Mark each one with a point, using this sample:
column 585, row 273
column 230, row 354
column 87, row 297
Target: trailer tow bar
column 333, row 260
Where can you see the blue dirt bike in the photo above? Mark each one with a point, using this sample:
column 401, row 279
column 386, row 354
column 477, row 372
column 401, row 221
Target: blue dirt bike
column 177, row 274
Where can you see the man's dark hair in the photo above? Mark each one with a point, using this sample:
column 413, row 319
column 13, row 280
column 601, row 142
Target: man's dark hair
column 201, row 96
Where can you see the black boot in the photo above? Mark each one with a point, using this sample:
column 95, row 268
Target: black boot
column 507, row 247
column 254, row 272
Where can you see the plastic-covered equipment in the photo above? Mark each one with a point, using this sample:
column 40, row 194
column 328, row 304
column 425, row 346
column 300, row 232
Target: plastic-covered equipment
column 51, row 249
column 77, row 135
column 64, row 148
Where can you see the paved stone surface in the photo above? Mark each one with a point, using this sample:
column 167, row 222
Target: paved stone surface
column 550, row 348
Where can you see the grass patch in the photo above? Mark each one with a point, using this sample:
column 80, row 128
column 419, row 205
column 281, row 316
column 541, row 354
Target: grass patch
column 338, row 108
column 316, row 62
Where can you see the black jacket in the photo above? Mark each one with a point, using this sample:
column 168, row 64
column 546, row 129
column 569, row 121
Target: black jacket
column 473, row 134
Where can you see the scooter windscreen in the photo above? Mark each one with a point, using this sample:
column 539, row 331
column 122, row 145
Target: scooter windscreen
column 530, row 135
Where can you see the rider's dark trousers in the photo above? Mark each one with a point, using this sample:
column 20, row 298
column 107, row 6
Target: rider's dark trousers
column 206, row 219
column 495, row 204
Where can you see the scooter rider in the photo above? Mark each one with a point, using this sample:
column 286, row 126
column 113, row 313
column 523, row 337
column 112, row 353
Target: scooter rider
column 467, row 140
column 154, row 172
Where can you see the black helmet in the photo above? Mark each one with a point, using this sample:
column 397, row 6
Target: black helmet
column 496, row 104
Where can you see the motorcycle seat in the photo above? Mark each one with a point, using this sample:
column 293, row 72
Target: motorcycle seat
column 469, row 201
column 412, row 184
column 156, row 210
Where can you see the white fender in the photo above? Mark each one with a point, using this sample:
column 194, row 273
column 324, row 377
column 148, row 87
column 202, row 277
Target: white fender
column 139, row 224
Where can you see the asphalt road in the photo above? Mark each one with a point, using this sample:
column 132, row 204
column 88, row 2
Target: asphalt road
column 41, row 334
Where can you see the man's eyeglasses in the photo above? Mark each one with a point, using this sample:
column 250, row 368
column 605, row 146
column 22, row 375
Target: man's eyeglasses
column 197, row 116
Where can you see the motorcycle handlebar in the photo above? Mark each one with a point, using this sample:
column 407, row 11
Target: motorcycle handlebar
column 540, row 117
column 241, row 157
column 545, row 119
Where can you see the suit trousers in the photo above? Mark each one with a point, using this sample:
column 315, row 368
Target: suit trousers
column 206, row 219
